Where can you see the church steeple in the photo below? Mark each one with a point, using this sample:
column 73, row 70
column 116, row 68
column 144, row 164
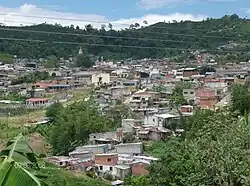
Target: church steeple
column 80, row 51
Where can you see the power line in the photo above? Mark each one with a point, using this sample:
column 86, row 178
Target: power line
column 91, row 35
column 122, row 46
column 95, row 21
column 119, row 37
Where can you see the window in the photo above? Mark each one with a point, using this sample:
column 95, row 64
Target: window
column 100, row 167
column 185, row 93
column 111, row 168
column 191, row 92
column 153, row 119
column 109, row 159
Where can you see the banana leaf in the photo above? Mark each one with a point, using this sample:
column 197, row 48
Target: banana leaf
column 18, row 149
column 13, row 174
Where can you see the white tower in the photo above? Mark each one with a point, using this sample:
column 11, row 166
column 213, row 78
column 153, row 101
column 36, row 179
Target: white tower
column 80, row 51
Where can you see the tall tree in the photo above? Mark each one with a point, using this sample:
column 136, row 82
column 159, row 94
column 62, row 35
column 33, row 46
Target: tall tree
column 240, row 98
column 84, row 61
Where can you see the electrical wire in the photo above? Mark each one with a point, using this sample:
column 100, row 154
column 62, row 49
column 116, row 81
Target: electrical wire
column 137, row 31
column 121, row 46
column 94, row 21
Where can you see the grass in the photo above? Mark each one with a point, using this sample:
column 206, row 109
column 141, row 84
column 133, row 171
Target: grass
column 23, row 120
column 13, row 125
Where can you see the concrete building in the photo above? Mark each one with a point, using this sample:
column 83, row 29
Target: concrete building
column 37, row 103
column 160, row 120
column 81, row 154
column 189, row 94
column 139, row 167
column 129, row 124
column 87, row 78
column 129, row 148
column 96, row 149
column 106, row 162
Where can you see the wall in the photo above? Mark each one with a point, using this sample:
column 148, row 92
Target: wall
column 207, row 103
column 105, row 78
column 96, row 149
column 129, row 148
column 189, row 94
column 106, row 159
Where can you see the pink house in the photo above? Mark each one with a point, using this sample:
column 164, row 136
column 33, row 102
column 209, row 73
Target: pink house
column 205, row 98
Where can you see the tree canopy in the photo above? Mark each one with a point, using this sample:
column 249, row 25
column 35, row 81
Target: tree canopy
column 153, row 41
column 73, row 125
column 214, row 151
column 84, row 61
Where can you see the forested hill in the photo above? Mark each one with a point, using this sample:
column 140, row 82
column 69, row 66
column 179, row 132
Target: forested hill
column 159, row 40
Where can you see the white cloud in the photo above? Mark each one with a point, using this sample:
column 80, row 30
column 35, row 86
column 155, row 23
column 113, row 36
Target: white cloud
column 153, row 4
column 247, row 10
column 33, row 16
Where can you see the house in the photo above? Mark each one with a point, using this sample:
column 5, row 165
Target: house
column 81, row 154
column 121, row 171
column 36, row 103
column 186, row 73
column 139, row 167
column 128, row 125
column 129, row 148
column 205, row 98
column 87, row 78
column 106, row 162
column 187, row 110
column 189, row 94
column 143, row 100
column 109, row 138
column 161, row 120
column 61, row 161
column 95, row 149
column 154, row 134
column 58, row 87
column 120, row 73
column 219, row 85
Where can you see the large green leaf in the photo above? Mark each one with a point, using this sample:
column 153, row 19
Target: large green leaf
column 13, row 174
column 18, row 149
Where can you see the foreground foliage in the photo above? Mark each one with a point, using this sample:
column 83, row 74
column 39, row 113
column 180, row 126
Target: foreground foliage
column 12, row 160
column 215, row 151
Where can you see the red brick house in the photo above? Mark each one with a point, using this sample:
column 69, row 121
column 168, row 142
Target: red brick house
column 106, row 162
column 205, row 98
column 139, row 168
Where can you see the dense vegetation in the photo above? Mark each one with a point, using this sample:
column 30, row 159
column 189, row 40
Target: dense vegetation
column 73, row 124
column 32, row 78
column 205, row 35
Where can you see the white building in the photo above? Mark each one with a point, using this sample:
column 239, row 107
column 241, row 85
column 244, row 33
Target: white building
column 160, row 120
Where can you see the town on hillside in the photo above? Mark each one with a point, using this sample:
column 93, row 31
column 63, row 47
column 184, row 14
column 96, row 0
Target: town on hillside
column 157, row 94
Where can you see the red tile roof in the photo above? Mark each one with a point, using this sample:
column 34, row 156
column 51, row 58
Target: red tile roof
column 36, row 99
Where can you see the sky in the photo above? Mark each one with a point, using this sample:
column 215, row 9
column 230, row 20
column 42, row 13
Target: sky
column 120, row 13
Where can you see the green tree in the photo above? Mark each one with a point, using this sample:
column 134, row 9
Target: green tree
column 240, row 98
column 74, row 124
column 216, row 155
column 205, row 69
column 53, row 111
column 136, row 181
column 84, row 61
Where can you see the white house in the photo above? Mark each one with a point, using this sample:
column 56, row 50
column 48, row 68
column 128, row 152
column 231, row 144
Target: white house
column 160, row 120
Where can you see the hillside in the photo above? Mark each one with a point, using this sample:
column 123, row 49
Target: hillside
column 205, row 35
